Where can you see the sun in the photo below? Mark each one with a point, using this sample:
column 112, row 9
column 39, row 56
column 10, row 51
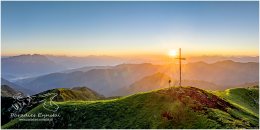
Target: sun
column 172, row 53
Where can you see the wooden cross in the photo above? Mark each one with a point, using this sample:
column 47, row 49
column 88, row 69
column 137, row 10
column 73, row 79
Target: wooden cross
column 180, row 59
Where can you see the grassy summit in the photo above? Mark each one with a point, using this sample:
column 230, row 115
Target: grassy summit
column 73, row 94
column 176, row 107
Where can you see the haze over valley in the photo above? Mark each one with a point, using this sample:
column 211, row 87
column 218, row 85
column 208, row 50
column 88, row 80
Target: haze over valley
column 110, row 75
column 129, row 65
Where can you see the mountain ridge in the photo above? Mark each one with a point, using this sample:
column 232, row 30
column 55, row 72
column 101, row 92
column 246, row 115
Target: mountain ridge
column 106, row 81
column 160, row 80
column 7, row 91
column 22, row 66
column 16, row 87
column 175, row 107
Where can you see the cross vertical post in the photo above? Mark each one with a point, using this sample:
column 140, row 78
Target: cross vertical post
column 180, row 59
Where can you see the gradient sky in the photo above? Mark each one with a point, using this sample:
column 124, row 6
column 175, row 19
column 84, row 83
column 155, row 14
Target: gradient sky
column 130, row 28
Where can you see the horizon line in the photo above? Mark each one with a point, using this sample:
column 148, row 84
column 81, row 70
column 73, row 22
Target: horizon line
column 129, row 55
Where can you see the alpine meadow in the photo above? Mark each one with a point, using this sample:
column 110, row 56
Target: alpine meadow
column 130, row 65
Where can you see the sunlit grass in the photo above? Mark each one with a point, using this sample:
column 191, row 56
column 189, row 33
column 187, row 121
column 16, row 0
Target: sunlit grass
column 144, row 110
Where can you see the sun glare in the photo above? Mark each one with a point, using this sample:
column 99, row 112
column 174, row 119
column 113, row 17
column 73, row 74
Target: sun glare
column 172, row 53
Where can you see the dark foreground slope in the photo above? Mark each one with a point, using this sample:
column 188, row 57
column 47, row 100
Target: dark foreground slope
column 22, row 105
column 176, row 107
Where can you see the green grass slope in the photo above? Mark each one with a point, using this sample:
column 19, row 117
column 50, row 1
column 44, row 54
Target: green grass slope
column 176, row 107
column 73, row 94
column 245, row 98
column 60, row 94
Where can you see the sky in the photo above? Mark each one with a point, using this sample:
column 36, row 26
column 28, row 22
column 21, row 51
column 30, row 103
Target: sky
column 129, row 28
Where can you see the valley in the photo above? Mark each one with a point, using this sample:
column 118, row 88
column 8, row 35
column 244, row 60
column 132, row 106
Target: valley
column 223, row 94
column 129, row 64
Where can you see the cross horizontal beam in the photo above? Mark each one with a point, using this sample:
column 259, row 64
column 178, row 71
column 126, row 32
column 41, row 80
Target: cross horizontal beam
column 181, row 58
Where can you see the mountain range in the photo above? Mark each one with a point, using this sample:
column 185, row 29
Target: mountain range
column 103, row 81
column 108, row 80
column 31, row 65
column 224, row 73
column 128, row 95
column 7, row 91
column 91, row 60
column 22, row 66
column 16, row 87
column 160, row 80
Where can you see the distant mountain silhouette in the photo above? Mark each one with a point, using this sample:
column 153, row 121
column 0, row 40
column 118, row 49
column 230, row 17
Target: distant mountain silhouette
column 92, row 60
column 103, row 81
column 16, row 87
column 223, row 73
column 87, row 68
column 218, row 75
column 213, row 59
column 7, row 91
column 28, row 65
column 159, row 81
column 105, row 60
